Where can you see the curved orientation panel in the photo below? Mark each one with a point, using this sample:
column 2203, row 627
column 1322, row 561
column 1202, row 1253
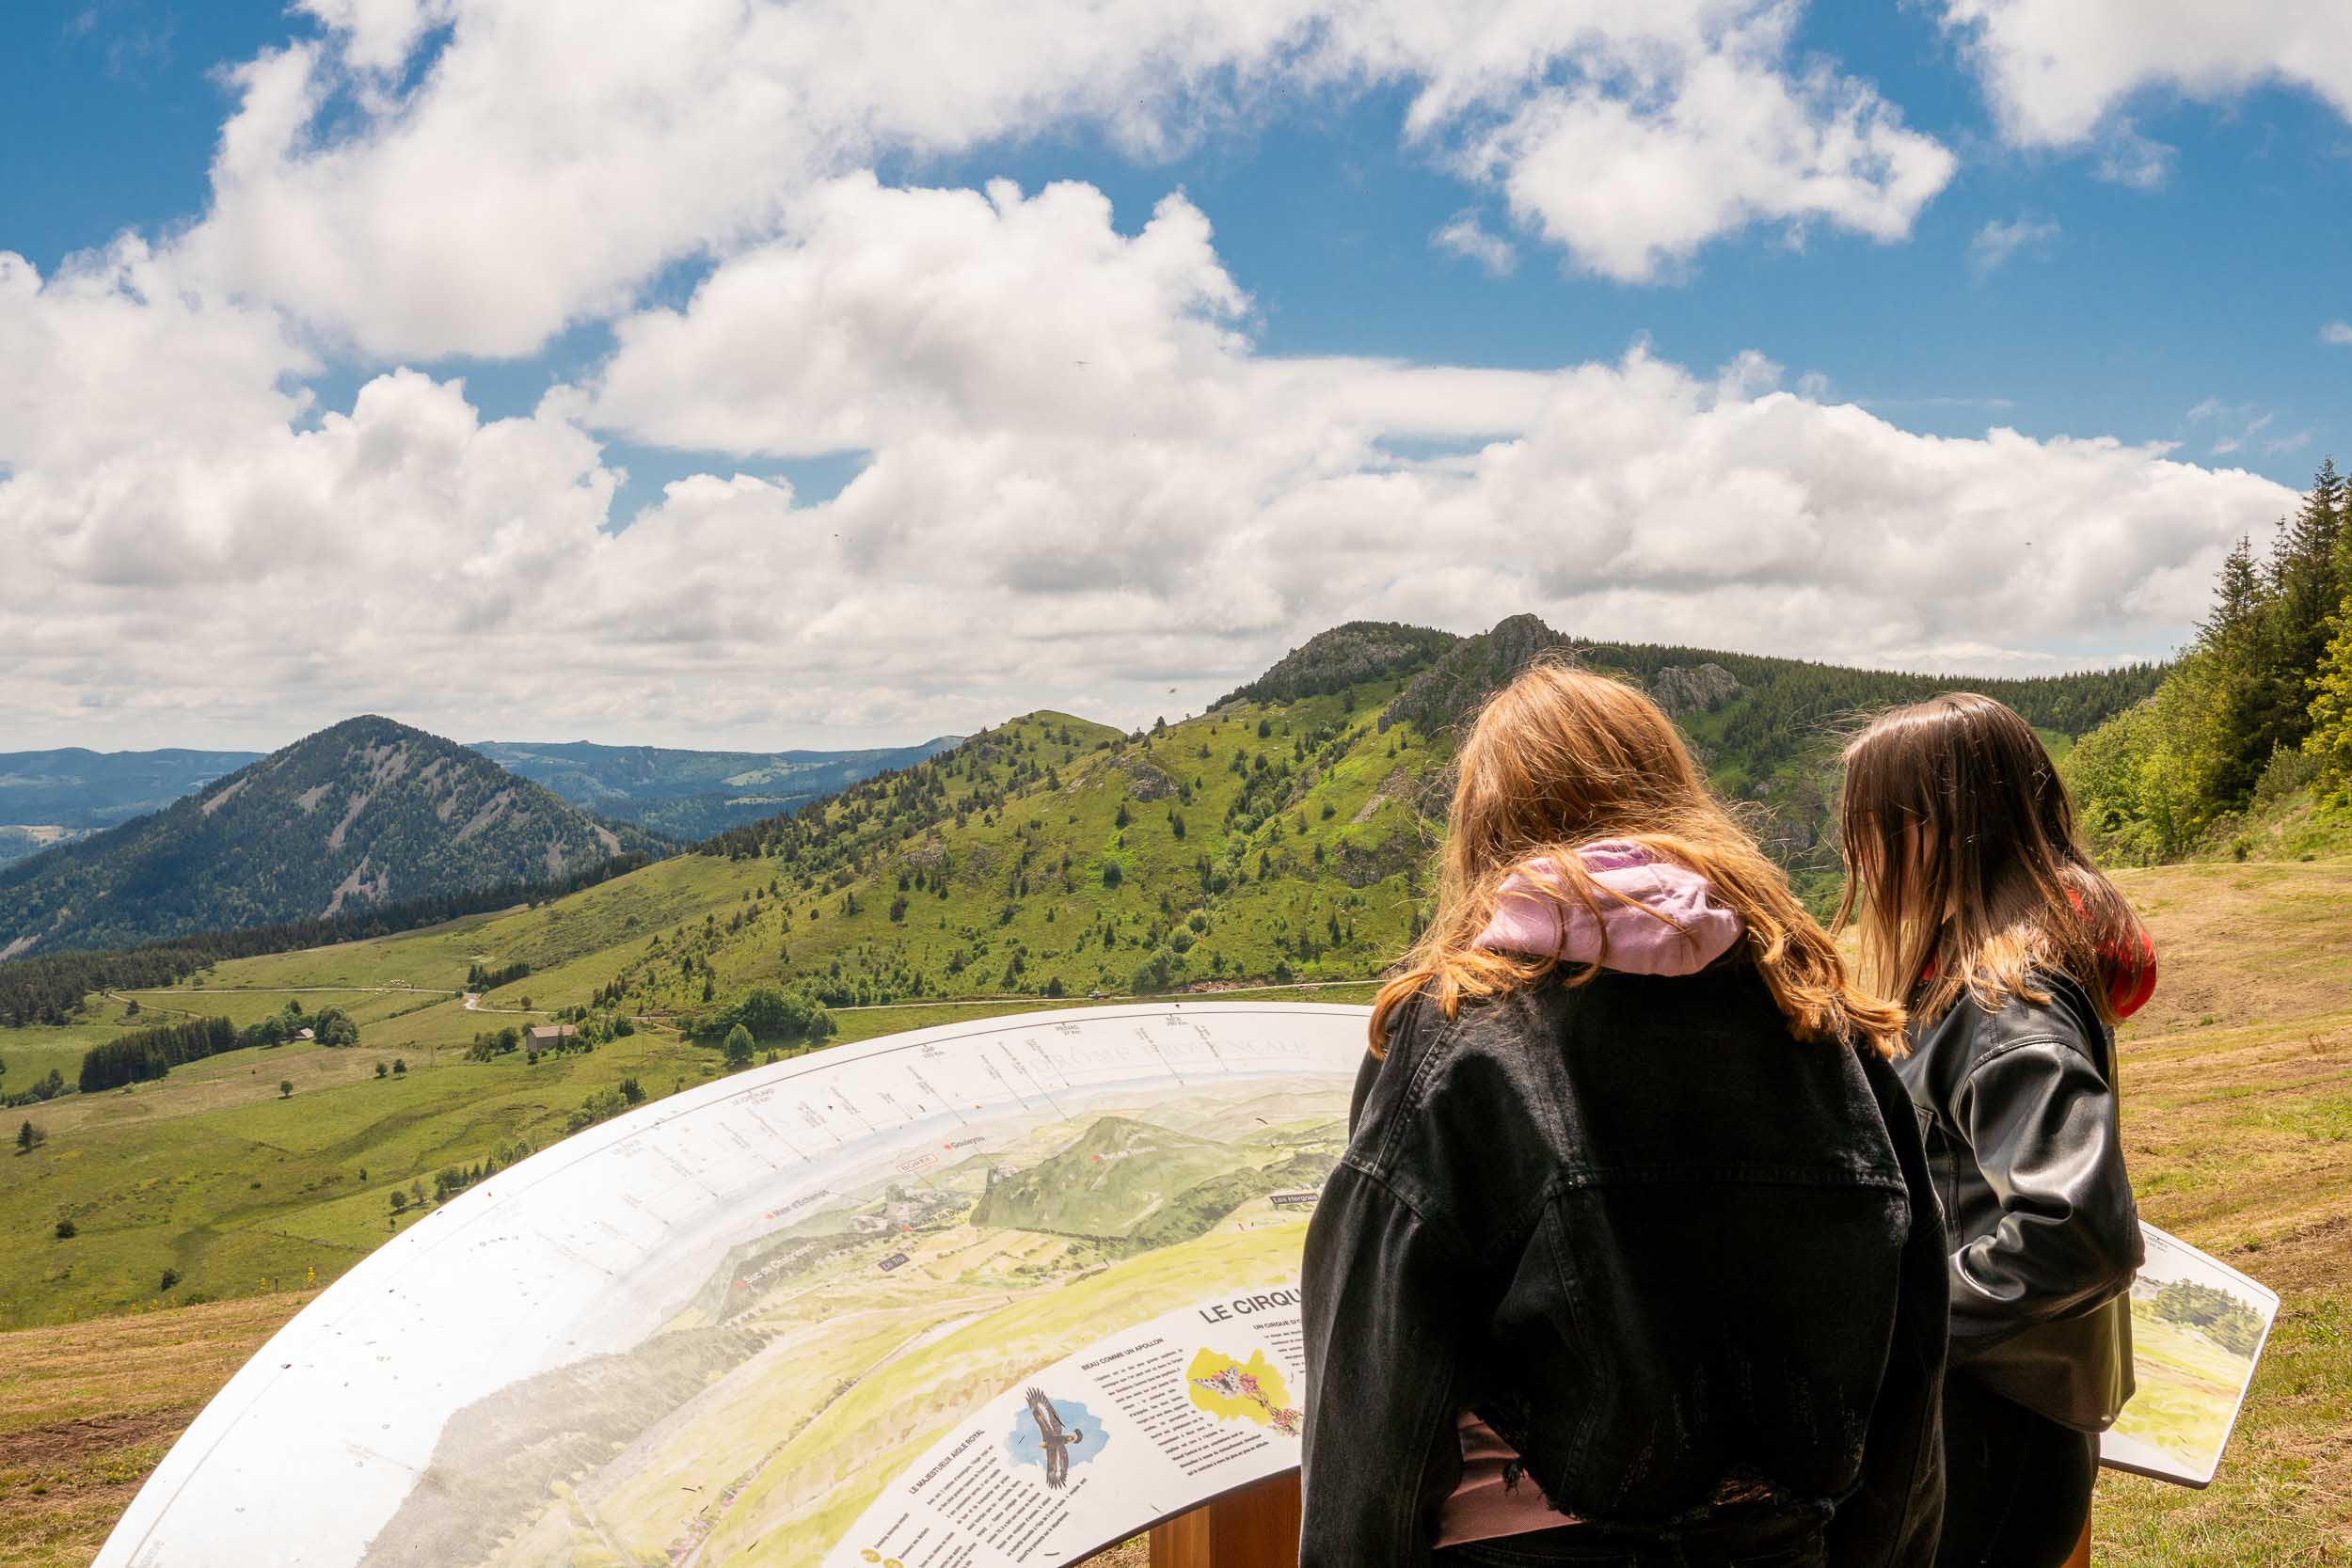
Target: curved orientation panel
column 984, row 1294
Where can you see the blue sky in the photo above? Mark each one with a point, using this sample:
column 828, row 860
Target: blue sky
column 2150, row 259
column 2144, row 304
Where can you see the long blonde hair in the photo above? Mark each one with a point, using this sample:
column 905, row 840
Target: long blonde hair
column 1964, row 870
column 1563, row 758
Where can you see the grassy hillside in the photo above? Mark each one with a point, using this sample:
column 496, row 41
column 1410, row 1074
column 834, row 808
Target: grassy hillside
column 2238, row 1106
column 1282, row 835
column 84, row 1417
column 1266, row 842
column 216, row 1175
column 2237, row 1086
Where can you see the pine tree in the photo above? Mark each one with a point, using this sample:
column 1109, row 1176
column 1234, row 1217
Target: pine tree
column 2230, row 645
column 2330, row 742
column 2238, row 600
column 2302, row 590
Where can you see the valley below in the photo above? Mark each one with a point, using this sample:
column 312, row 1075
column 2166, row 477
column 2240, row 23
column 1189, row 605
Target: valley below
column 2238, row 1112
column 211, row 1130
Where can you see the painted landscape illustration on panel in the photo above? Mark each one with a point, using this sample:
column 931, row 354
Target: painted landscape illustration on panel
column 2198, row 1328
column 820, row 1359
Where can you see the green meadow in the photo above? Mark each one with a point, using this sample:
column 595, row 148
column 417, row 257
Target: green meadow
column 2238, row 1115
column 1275, row 850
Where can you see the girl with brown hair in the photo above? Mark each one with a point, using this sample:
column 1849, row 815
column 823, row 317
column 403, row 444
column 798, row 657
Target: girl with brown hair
column 1979, row 911
column 1631, row 1258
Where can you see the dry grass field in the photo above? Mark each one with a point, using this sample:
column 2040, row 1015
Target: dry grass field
column 87, row 1409
column 2238, row 1118
column 2239, row 1107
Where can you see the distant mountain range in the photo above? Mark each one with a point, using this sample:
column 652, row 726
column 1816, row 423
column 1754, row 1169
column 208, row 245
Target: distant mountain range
column 55, row 796
column 367, row 813
column 691, row 795
column 1321, row 779
column 52, row 797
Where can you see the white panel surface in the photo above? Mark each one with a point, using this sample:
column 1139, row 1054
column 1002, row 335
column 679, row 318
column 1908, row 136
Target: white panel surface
column 733, row 1325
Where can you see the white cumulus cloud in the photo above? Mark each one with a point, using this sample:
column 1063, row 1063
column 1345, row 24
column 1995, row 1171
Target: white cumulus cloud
column 887, row 313
column 545, row 162
column 1082, row 481
column 1027, row 530
column 2057, row 72
column 1631, row 169
column 1465, row 237
column 114, row 350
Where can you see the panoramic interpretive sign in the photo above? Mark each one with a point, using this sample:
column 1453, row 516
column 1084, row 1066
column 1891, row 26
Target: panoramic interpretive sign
column 2197, row 1326
column 989, row 1294
column 992, row 1293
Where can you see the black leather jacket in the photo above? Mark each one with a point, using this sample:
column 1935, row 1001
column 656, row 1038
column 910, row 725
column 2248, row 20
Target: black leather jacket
column 2018, row 1112
column 1669, row 1253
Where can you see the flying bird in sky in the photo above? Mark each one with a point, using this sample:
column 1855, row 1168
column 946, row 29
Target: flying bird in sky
column 1052, row 1437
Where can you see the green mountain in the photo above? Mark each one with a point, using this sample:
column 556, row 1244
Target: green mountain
column 1267, row 839
column 19, row 840
column 691, row 795
column 1350, row 654
column 366, row 812
column 53, row 796
column 78, row 789
column 1271, row 840
column 1116, row 1176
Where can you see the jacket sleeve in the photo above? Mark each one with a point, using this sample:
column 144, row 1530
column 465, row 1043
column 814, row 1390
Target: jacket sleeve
column 1381, row 1451
column 1892, row 1518
column 2040, row 1118
column 1382, row 1286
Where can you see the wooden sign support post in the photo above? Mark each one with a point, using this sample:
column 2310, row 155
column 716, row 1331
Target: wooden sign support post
column 1256, row 1528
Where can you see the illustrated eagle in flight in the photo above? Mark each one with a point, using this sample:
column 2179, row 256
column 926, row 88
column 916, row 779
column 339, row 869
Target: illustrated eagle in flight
column 1052, row 1437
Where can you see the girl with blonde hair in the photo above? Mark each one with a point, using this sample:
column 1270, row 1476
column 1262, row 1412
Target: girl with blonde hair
column 1631, row 1258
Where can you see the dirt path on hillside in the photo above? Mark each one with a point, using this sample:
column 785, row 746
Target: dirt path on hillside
column 286, row 990
column 146, row 1007
column 473, row 1004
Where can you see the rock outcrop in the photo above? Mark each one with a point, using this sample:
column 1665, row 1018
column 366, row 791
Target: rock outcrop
column 1440, row 698
column 1344, row 656
column 1698, row 688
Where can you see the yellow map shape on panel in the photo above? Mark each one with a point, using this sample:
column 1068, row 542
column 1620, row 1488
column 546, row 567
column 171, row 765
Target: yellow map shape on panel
column 1252, row 1390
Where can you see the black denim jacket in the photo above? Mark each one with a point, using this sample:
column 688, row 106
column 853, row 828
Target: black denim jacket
column 1668, row 1252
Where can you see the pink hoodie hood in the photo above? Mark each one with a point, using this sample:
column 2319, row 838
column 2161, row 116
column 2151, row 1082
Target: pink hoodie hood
column 1530, row 919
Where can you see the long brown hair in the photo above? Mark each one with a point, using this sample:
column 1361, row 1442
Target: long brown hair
column 1963, row 869
column 1563, row 758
